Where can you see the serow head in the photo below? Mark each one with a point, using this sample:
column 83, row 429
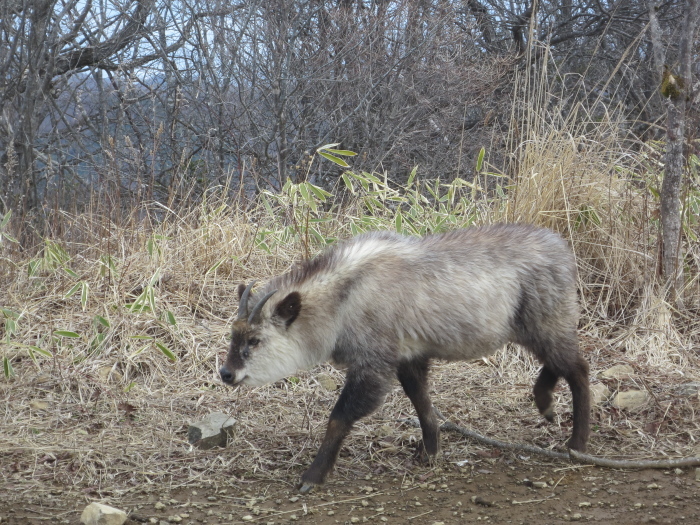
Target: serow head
column 262, row 349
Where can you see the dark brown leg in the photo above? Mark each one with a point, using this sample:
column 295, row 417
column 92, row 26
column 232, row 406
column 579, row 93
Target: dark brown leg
column 562, row 359
column 413, row 376
column 579, row 384
column 544, row 386
column 361, row 395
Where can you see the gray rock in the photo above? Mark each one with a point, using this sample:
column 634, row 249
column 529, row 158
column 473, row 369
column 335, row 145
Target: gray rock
column 212, row 431
column 599, row 393
column 327, row 382
column 630, row 400
column 689, row 389
column 617, row 372
column 99, row 514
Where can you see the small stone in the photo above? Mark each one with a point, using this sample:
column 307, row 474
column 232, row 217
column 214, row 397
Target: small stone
column 212, row 431
column 211, row 498
column 294, row 499
column 431, row 486
column 107, row 373
column 539, row 484
column 159, row 505
column 331, row 513
column 576, row 517
column 599, row 393
column 584, row 504
column 384, row 431
column 174, row 519
column 354, row 519
column 617, row 372
column 99, row 514
column 653, row 486
column 365, row 503
column 247, row 517
column 630, row 400
column 293, row 517
column 38, row 404
column 327, row 382
column 697, row 473
column 677, row 471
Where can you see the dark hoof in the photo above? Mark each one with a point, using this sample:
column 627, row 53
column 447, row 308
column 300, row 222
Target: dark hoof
column 421, row 456
column 578, row 447
column 305, row 487
column 548, row 414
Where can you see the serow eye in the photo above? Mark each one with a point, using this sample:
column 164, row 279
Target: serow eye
column 253, row 342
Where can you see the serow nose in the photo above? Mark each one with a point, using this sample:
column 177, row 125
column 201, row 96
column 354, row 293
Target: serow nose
column 226, row 376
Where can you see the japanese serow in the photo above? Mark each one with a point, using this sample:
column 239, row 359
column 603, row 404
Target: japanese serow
column 384, row 305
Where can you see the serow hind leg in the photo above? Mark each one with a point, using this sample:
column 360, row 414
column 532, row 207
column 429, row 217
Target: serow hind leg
column 544, row 386
column 577, row 377
column 413, row 376
column 360, row 397
column 575, row 371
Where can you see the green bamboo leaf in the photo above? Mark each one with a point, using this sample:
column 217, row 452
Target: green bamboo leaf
column 9, row 237
column 327, row 146
column 72, row 291
column 412, row 176
column 66, row 333
column 140, row 350
column 317, row 235
column 371, row 177
column 5, row 219
column 45, row 353
column 216, row 266
column 7, row 368
column 33, row 267
column 320, row 193
column 141, row 337
column 10, row 327
column 70, row 272
column 170, row 318
column 101, row 320
column 343, row 152
column 348, row 183
column 338, row 161
column 138, row 308
column 480, row 160
column 9, row 314
column 166, row 351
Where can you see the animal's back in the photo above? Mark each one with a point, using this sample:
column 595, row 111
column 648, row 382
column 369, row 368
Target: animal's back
column 457, row 295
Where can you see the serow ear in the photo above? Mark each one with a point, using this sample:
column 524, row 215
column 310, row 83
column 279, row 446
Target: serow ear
column 288, row 308
column 241, row 289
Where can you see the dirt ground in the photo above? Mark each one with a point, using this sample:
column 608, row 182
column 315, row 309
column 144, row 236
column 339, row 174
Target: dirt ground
column 69, row 438
column 504, row 489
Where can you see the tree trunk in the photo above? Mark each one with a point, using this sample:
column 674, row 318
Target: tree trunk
column 678, row 89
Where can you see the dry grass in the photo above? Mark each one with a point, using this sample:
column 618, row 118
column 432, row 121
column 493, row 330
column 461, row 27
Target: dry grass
column 108, row 412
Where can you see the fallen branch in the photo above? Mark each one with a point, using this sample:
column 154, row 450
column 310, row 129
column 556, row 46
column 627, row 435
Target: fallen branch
column 571, row 455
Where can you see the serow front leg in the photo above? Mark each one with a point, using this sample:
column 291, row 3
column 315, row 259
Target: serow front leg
column 360, row 397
